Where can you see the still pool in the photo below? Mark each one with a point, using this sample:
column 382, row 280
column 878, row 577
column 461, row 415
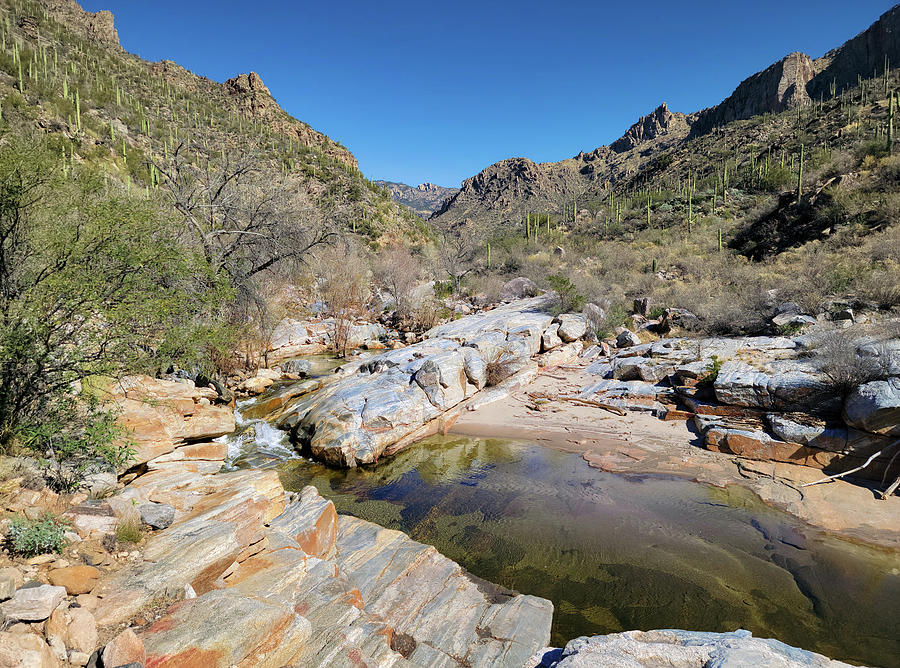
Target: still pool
column 617, row 552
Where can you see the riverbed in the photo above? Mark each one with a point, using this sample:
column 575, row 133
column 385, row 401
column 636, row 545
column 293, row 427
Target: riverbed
column 617, row 552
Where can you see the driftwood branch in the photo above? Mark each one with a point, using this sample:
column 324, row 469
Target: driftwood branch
column 579, row 401
column 853, row 470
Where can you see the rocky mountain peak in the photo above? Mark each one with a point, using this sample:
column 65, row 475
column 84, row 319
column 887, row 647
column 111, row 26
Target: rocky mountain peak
column 97, row 26
column 647, row 127
column 779, row 87
column 252, row 94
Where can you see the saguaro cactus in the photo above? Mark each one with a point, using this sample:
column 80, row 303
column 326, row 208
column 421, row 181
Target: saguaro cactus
column 800, row 176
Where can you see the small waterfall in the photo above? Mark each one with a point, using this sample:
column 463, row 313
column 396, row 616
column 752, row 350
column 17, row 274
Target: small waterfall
column 255, row 443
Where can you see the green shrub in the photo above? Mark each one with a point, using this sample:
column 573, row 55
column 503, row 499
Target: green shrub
column 29, row 538
column 568, row 298
column 129, row 532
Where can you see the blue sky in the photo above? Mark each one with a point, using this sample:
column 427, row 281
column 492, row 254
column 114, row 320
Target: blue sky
column 431, row 91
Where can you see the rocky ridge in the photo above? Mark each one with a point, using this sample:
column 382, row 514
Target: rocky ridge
column 504, row 191
column 424, row 198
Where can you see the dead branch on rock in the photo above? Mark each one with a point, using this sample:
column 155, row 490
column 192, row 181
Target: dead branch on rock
column 581, row 401
column 853, row 470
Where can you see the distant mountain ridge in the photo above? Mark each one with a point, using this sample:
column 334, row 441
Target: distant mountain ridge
column 509, row 188
column 424, row 198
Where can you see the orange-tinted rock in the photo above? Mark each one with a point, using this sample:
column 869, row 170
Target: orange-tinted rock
column 76, row 579
column 125, row 648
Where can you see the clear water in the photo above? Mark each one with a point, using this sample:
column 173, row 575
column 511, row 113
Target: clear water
column 616, row 552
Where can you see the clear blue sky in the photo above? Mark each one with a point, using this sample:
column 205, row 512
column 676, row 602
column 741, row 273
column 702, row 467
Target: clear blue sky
column 436, row 91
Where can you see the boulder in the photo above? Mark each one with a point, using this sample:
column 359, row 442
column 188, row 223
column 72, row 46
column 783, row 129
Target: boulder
column 33, row 604
column 312, row 522
column 572, row 327
column 81, row 632
column 785, row 385
column 9, row 582
column 793, row 320
column 594, row 314
column 157, row 515
column 297, row 367
column 25, row 650
column 75, row 579
column 125, row 649
column 627, row 338
column 550, row 338
column 92, row 517
column 256, row 385
column 518, row 288
column 875, row 407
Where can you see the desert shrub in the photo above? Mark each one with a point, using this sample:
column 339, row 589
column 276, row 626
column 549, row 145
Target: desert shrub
column 614, row 317
column 29, row 538
column 75, row 437
column 129, row 532
column 837, row 354
column 568, row 299
column 500, row 366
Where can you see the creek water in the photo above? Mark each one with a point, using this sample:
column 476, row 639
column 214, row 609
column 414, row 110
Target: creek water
column 617, row 552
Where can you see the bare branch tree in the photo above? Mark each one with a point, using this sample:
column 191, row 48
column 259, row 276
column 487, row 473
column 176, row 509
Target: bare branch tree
column 242, row 221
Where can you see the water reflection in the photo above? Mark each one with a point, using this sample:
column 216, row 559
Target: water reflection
column 618, row 552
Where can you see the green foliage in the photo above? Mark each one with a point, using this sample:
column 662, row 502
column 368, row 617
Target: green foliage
column 443, row 289
column 712, row 371
column 73, row 438
column 568, row 298
column 29, row 538
column 95, row 282
column 615, row 316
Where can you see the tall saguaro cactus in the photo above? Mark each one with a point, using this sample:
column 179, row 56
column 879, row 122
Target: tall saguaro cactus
column 800, row 176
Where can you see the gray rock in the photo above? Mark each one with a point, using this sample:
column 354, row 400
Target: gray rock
column 627, row 339
column 788, row 308
column 875, row 407
column 679, row 649
column 157, row 515
column 297, row 367
column 788, row 320
column 33, row 604
column 785, row 385
column 550, row 339
column 103, row 482
column 594, row 314
column 518, row 288
column 572, row 327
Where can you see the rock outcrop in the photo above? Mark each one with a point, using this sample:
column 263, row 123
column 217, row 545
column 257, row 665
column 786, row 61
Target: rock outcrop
column 780, row 86
column 679, row 649
column 292, row 338
column 95, row 26
column 424, row 198
column 173, row 421
column 391, row 400
column 283, row 580
column 648, row 127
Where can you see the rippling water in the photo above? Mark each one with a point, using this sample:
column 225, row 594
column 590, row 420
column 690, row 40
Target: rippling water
column 617, row 552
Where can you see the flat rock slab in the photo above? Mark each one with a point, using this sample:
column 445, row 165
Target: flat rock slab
column 679, row 649
column 33, row 604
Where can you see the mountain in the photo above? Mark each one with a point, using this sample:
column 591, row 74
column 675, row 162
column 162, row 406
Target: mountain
column 63, row 71
column 506, row 190
column 424, row 198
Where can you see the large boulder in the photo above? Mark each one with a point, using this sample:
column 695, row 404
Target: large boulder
column 572, row 327
column 518, row 288
column 875, row 407
column 550, row 339
column 784, row 385
column 33, row 604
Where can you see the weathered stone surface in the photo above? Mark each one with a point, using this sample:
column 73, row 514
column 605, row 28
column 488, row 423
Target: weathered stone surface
column 679, row 649
column 572, row 326
column 416, row 590
column 33, row 604
column 782, row 385
column 223, row 629
column 157, row 515
column 25, row 650
column 312, row 522
column 163, row 414
column 92, row 517
column 292, row 338
column 75, row 579
column 297, row 367
column 550, row 339
column 518, row 288
column 561, row 355
column 125, row 649
column 391, row 397
column 875, row 407
column 627, row 339
column 81, row 632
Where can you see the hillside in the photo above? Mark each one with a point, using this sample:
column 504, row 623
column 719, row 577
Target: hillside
column 424, row 198
column 64, row 72
column 505, row 191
